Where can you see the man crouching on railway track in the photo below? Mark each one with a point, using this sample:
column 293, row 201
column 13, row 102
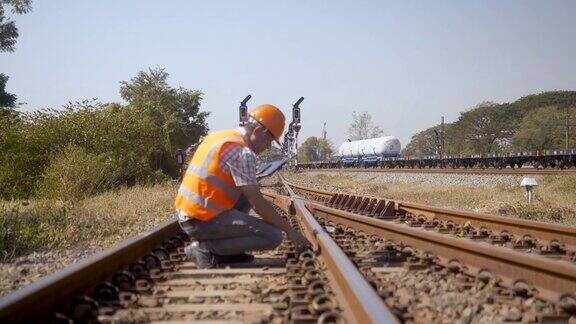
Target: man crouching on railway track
column 220, row 187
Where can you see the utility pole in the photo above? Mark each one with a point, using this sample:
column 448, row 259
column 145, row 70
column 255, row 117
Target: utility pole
column 324, row 131
column 442, row 138
column 567, row 127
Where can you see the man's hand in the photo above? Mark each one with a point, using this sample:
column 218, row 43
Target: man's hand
column 298, row 239
column 269, row 214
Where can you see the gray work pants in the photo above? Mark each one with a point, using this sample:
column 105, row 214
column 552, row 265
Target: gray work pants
column 234, row 231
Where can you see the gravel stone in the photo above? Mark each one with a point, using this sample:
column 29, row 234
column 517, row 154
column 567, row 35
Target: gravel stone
column 22, row 271
column 436, row 179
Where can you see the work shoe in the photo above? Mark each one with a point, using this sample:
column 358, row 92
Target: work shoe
column 234, row 258
column 203, row 258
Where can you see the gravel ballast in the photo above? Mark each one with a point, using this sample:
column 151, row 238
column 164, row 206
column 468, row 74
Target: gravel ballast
column 22, row 271
column 432, row 179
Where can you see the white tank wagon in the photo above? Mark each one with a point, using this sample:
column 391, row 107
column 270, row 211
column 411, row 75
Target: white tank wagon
column 369, row 151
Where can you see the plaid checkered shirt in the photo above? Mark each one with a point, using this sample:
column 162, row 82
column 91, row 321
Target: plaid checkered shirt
column 240, row 162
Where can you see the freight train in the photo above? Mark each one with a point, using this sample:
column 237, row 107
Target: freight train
column 368, row 151
column 384, row 152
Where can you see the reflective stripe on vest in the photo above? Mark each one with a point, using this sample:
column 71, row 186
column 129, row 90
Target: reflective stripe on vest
column 199, row 200
column 203, row 173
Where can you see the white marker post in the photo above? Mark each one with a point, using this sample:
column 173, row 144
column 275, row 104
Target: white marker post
column 529, row 184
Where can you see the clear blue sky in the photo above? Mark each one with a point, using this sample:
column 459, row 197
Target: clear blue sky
column 405, row 62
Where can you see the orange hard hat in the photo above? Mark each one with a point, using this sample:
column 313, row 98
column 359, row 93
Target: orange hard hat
column 270, row 117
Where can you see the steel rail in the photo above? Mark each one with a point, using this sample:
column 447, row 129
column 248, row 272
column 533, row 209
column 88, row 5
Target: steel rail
column 520, row 171
column 554, row 280
column 39, row 300
column 363, row 304
column 538, row 230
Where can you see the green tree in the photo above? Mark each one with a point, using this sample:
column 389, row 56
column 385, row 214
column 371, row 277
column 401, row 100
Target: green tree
column 543, row 128
column 175, row 112
column 88, row 147
column 423, row 143
column 7, row 102
column 315, row 149
column 363, row 127
column 8, row 29
column 6, row 99
column 486, row 128
column 271, row 154
column 491, row 127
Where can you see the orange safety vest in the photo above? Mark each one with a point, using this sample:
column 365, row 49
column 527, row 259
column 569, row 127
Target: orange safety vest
column 206, row 190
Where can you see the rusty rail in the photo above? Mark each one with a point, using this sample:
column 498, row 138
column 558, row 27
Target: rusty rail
column 39, row 300
column 539, row 230
column 363, row 305
column 554, row 280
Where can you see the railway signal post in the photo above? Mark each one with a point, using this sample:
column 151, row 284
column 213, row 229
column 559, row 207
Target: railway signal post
column 243, row 109
column 290, row 144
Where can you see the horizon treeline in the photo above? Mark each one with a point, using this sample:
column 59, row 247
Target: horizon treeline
column 89, row 147
column 533, row 122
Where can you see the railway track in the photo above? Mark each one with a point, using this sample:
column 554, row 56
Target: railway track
column 148, row 279
column 505, row 171
column 529, row 259
column 373, row 261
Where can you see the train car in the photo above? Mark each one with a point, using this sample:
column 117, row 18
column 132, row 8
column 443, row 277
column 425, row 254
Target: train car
column 354, row 155
column 368, row 152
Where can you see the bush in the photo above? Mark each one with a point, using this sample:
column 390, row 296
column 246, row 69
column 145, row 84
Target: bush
column 21, row 164
column 28, row 228
column 87, row 147
column 74, row 174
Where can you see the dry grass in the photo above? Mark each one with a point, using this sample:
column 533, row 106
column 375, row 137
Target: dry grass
column 100, row 220
column 555, row 196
